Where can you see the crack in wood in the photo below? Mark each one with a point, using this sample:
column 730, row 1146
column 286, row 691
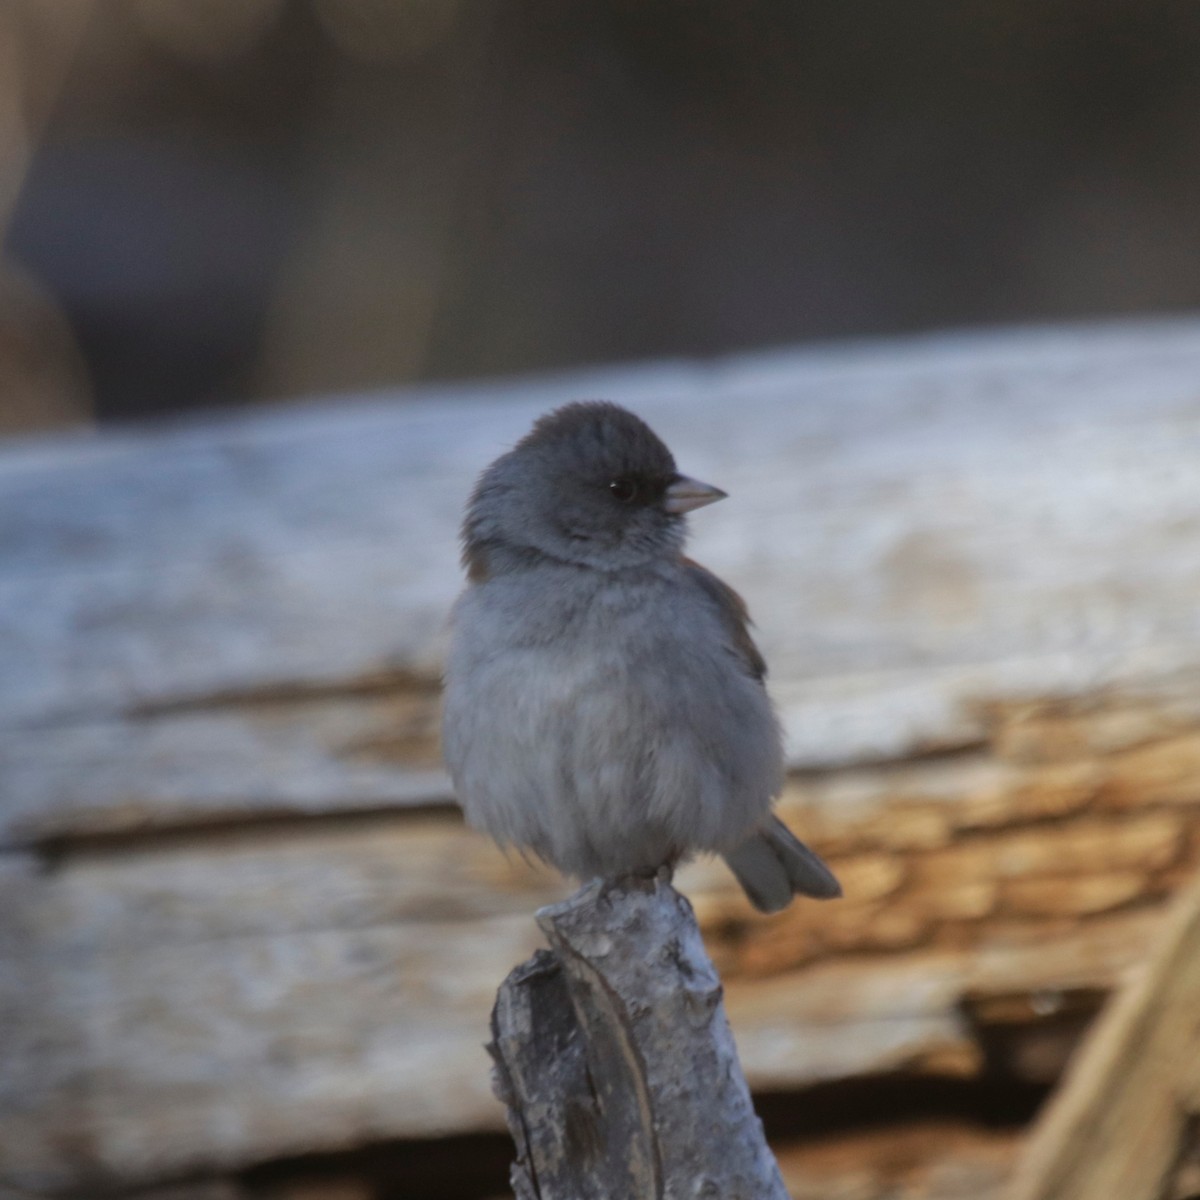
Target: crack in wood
column 298, row 692
column 58, row 851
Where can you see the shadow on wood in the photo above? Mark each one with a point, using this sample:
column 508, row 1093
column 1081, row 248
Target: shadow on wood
column 616, row 1062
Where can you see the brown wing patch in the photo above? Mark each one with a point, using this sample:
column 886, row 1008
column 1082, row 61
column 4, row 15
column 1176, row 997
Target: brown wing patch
column 475, row 561
column 735, row 615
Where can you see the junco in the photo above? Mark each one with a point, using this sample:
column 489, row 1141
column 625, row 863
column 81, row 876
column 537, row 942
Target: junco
column 604, row 702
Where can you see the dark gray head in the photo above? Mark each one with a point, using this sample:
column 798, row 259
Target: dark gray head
column 590, row 484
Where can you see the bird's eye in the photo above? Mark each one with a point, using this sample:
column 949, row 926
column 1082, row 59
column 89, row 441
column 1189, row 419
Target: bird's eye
column 625, row 490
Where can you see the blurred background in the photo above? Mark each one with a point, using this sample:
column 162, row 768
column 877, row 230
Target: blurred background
column 217, row 201
column 247, row 947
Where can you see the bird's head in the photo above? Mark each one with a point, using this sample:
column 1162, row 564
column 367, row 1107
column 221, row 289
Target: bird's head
column 590, row 484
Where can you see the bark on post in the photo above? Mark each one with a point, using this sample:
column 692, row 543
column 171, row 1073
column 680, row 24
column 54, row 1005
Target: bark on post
column 616, row 1062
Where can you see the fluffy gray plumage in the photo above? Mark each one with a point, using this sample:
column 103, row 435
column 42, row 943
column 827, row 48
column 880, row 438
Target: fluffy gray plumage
column 604, row 702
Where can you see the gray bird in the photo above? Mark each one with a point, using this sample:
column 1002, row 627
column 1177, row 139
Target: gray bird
column 604, row 702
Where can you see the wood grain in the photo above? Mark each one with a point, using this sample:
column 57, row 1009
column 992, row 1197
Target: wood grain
column 589, row 1039
column 239, row 917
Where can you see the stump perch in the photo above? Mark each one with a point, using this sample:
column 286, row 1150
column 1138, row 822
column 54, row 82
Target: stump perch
column 616, row 1062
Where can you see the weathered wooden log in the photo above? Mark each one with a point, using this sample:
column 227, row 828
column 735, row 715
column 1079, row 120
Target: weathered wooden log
column 616, row 1062
column 239, row 918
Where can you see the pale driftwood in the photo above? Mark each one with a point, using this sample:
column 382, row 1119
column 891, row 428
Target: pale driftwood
column 226, row 996
column 916, row 524
column 616, row 1062
column 229, row 930
column 249, row 994
column 238, row 761
column 1130, row 1104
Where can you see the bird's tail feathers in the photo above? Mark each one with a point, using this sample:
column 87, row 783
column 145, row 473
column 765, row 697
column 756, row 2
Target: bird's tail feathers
column 772, row 865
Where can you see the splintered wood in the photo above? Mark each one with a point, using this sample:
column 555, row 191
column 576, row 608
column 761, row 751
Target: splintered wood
column 590, row 1041
column 1125, row 1120
column 997, row 843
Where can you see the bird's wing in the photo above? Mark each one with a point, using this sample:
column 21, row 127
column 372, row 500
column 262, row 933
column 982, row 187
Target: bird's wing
column 734, row 615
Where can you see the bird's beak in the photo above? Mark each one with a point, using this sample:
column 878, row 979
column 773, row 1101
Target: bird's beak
column 685, row 494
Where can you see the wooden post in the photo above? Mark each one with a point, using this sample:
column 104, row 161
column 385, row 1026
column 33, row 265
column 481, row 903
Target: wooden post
column 616, row 1062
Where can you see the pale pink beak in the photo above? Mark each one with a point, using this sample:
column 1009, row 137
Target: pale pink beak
column 685, row 494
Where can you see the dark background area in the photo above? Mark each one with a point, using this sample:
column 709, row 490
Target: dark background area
column 218, row 201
